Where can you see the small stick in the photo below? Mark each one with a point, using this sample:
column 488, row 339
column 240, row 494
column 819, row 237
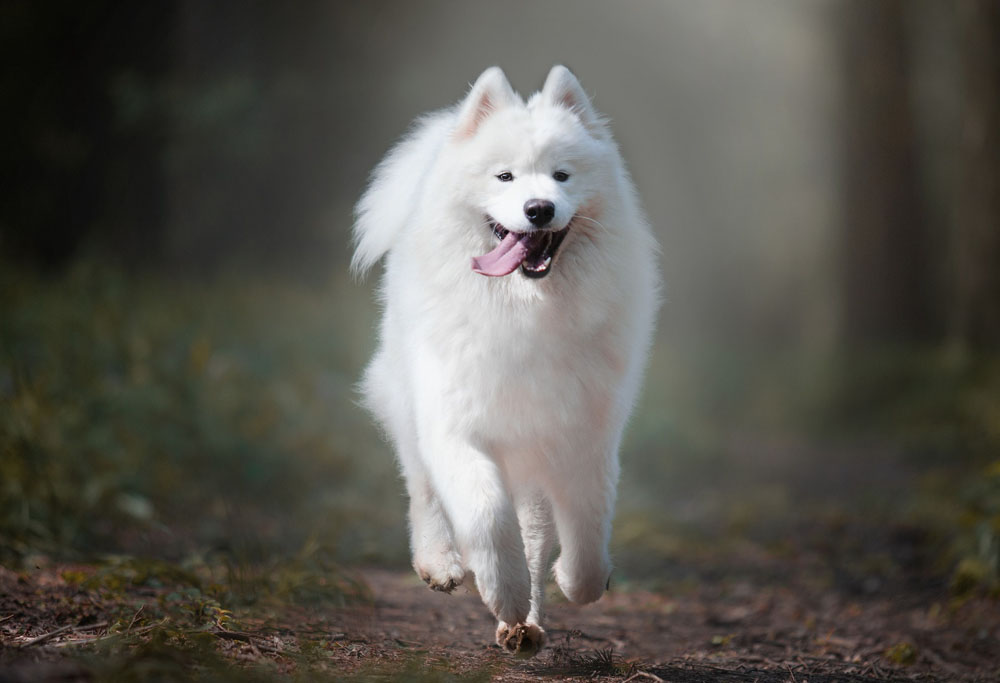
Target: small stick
column 245, row 638
column 134, row 617
column 95, row 639
column 46, row 636
column 644, row 674
column 62, row 629
column 9, row 616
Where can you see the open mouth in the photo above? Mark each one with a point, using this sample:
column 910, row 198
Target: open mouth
column 533, row 252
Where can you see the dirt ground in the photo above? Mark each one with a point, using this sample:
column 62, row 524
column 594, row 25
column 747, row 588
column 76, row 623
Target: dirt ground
column 708, row 631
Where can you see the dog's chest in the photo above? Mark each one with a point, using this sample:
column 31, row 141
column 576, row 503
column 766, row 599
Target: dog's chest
column 524, row 372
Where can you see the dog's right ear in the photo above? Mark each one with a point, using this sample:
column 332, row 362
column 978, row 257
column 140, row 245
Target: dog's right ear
column 491, row 92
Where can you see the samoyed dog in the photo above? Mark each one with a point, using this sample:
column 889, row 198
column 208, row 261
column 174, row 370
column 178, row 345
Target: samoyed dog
column 519, row 293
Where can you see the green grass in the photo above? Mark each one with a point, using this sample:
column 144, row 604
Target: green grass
column 143, row 413
column 156, row 416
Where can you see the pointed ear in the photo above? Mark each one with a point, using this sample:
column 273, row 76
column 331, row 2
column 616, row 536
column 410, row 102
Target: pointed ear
column 563, row 89
column 491, row 92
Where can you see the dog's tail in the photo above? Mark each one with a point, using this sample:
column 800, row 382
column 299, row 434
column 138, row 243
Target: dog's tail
column 393, row 193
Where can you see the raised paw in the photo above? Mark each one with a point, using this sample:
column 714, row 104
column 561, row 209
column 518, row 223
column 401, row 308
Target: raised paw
column 522, row 640
column 583, row 583
column 444, row 573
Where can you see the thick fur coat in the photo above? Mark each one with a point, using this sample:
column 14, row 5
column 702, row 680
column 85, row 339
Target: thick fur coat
column 505, row 395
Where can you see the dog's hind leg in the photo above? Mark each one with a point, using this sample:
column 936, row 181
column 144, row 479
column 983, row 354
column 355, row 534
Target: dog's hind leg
column 535, row 517
column 583, row 522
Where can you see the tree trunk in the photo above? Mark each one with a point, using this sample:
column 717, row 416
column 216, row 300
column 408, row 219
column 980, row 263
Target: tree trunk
column 883, row 249
column 977, row 215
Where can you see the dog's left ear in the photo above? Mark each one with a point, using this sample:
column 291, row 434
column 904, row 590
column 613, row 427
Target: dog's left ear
column 563, row 89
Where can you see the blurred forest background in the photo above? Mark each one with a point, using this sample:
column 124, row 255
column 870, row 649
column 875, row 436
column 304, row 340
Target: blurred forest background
column 179, row 336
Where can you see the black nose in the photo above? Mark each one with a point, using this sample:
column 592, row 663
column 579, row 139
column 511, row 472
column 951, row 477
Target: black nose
column 539, row 211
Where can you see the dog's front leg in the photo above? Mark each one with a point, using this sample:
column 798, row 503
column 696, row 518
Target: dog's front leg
column 472, row 492
column 435, row 557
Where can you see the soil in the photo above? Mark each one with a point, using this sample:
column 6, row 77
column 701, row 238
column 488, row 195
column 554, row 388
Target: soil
column 710, row 630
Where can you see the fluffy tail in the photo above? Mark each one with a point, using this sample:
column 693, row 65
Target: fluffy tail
column 395, row 190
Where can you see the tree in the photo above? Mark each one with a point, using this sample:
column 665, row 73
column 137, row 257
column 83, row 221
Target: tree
column 977, row 212
column 883, row 248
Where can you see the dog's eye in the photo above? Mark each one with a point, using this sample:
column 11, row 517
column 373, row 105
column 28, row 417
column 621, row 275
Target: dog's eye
column 561, row 176
column 505, row 177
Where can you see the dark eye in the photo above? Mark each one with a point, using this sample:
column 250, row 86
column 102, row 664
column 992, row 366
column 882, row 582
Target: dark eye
column 505, row 177
column 561, row 176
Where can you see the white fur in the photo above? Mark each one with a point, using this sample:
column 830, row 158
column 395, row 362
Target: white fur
column 505, row 398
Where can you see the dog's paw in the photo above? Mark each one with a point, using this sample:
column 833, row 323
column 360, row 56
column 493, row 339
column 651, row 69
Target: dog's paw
column 443, row 572
column 522, row 640
column 582, row 584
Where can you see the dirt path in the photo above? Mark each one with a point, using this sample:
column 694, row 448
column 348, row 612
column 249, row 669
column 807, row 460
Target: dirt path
column 713, row 631
column 736, row 632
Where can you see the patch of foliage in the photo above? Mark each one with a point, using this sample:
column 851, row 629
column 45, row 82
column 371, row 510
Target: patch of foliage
column 978, row 543
column 166, row 621
column 157, row 416
column 166, row 417
column 942, row 409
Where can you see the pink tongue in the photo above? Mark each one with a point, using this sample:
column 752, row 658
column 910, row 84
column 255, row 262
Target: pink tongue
column 505, row 257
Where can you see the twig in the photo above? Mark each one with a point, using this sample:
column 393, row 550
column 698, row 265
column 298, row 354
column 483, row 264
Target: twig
column 46, row 636
column 95, row 639
column 404, row 643
column 9, row 616
column 143, row 629
column 62, row 629
column 790, row 673
column 237, row 635
column 246, row 638
column 643, row 674
column 134, row 617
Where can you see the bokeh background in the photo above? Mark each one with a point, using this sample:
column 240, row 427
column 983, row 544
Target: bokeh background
column 179, row 336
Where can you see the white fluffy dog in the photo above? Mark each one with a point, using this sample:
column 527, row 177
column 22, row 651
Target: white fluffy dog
column 519, row 298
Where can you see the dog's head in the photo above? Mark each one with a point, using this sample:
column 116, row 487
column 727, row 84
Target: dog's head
column 532, row 171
